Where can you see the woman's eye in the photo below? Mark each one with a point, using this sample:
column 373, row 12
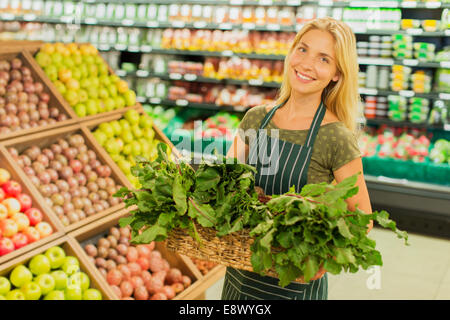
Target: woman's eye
column 301, row 49
column 324, row 60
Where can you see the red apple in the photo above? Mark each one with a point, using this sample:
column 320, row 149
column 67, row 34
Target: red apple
column 6, row 246
column 20, row 240
column 32, row 234
column 12, row 188
column 34, row 215
column 9, row 227
column 2, row 195
column 44, row 228
column 3, row 212
column 21, row 220
column 25, row 202
column 4, row 176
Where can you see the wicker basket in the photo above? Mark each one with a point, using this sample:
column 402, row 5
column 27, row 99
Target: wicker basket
column 231, row 250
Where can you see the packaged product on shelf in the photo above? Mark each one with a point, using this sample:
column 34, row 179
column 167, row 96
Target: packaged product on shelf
column 397, row 108
column 287, row 16
column 370, row 107
column 152, row 12
column 371, row 76
column 440, row 153
column 260, row 17
column 367, row 144
column 430, row 25
column 440, row 113
column 220, row 15
column 163, row 13
column 421, row 81
column 442, row 79
column 410, row 24
column 399, row 77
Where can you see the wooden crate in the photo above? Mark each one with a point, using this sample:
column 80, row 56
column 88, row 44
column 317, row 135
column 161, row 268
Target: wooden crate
column 91, row 117
column 56, row 99
column 94, row 231
column 31, row 46
column 39, row 203
column 45, row 139
column 72, row 249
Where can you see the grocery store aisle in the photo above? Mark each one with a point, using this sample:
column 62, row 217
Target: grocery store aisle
column 420, row 271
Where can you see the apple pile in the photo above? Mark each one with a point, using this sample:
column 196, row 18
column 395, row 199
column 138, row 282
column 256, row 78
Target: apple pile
column 127, row 138
column 203, row 266
column 23, row 101
column 82, row 77
column 20, row 223
column 70, row 178
column 135, row 272
column 48, row 276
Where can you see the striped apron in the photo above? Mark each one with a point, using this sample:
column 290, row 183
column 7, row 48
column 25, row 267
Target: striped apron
column 279, row 165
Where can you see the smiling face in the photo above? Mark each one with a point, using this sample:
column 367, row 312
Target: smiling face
column 312, row 64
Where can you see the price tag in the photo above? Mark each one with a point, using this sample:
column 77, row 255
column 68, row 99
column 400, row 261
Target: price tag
column 175, row 76
column 248, row 26
column 409, row 4
column 104, row 47
column 406, row 93
column 199, row 24
column 133, row 48
column 255, row 82
column 190, row 77
column 273, row 27
column 444, row 96
column 120, row 47
column 178, row 24
column 445, row 64
column 121, row 73
column 142, row 73
column 265, row 2
column 293, row 3
column 447, row 127
column 227, row 53
column 432, row 5
column 368, row 91
column 236, row 2
column 225, row 26
column 66, row 19
column 146, row 48
column 155, row 100
column 152, row 24
column 127, row 22
column 410, row 62
column 414, row 31
column 141, row 99
column 326, row 3
column 182, row 102
column 90, row 21
column 29, row 17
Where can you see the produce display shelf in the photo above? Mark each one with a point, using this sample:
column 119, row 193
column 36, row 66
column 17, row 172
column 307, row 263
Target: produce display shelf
column 391, row 123
column 71, row 248
column 405, row 93
column 186, row 104
column 92, row 232
column 37, row 202
column 12, row 51
column 44, row 139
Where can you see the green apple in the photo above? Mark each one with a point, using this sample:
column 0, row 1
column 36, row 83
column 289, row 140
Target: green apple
column 95, row 82
column 73, row 292
column 39, row 264
column 60, row 278
column 80, row 279
column 5, row 285
column 31, row 290
column 56, row 256
column 117, row 127
column 80, row 110
column 84, row 71
column 135, row 148
column 120, row 102
column 52, row 72
column 56, row 58
column 60, row 87
column 103, row 69
column 71, row 97
column 76, row 73
column 146, row 147
column 127, row 136
column 125, row 125
column 119, row 143
column 149, row 134
column 112, row 146
column 46, row 282
column 101, row 137
column 132, row 116
column 15, row 294
column 145, row 121
column 85, row 83
column 127, row 149
column 91, row 107
column 68, row 62
column 70, row 265
column 107, row 129
column 116, row 157
column 92, row 92
column 103, row 93
column 20, row 276
column 125, row 166
column 114, row 78
column 77, row 59
column 55, row 295
column 137, row 131
column 101, row 107
column 110, row 104
column 130, row 98
column 112, row 89
column 43, row 59
column 104, row 80
column 92, row 294
column 83, row 95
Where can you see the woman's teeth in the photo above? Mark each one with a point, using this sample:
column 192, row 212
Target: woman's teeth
column 304, row 77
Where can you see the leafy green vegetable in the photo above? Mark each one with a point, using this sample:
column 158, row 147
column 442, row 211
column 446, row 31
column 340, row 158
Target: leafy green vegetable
column 294, row 234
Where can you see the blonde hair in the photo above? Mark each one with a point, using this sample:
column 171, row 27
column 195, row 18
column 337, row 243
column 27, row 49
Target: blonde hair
column 340, row 97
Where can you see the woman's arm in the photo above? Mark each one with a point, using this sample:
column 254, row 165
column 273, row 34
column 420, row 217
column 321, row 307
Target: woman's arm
column 238, row 149
column 362, row 197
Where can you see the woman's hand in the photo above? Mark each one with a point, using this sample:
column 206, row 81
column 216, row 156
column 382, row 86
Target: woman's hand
column 317, row 276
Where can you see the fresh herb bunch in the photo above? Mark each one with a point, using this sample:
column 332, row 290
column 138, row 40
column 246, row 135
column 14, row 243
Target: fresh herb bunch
column 293, row 233
column 314, row 229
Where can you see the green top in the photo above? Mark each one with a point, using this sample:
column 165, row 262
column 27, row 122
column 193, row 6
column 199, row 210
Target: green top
column 334, row 147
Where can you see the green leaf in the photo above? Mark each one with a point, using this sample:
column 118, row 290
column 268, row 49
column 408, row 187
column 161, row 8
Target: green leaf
column 311, row 268
column 153, row 233
column 343, row 228
column 332, row 266
column 179, row 195
column 125, row 221
column 344, row 255
column 287, row 273
column 203, row 213
column 207, row 179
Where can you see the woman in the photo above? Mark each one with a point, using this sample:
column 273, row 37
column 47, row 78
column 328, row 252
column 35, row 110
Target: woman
column 308, row 136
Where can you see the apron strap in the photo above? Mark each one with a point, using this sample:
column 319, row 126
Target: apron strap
column 315, row 125
column 269, row 115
